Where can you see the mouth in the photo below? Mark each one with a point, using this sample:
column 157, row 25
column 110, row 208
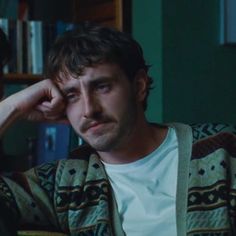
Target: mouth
column 94, row 126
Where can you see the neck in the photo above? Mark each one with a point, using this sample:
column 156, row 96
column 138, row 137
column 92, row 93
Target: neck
column 141, row 142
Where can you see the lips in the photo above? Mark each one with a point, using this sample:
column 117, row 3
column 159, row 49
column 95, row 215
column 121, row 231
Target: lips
column 91, row 125
column 94, row 124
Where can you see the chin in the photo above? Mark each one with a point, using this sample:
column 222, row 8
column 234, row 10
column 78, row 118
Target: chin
column 102, row 146
column 104, row 143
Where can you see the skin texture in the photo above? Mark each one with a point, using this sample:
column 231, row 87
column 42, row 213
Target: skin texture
column 39, row 102
column 105, row 109
column 101, row 106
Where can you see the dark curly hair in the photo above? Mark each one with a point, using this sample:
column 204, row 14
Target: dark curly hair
column 90, row 44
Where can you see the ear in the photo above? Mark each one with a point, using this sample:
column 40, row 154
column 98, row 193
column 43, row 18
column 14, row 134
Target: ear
column 141, row 83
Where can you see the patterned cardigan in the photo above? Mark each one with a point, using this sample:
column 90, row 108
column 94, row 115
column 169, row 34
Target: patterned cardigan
column 74, row 195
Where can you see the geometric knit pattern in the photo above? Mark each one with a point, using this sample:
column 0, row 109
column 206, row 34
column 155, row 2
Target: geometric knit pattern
column 212, row 181
column 7, row 197
column 74, row 196
column 205, row 130
column 77, row 191
column 46, row 174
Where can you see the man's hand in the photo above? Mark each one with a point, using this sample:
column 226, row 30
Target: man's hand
column 44, row 102
column 41, row 101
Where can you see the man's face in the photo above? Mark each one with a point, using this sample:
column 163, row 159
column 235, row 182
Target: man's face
column 101, row 106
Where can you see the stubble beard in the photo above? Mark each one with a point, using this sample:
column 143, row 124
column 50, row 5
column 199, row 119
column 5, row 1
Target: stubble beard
column 118, row 132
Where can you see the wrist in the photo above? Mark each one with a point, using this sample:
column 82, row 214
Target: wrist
column 9, row 113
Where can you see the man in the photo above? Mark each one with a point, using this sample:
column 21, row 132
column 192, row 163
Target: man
column 136, row 178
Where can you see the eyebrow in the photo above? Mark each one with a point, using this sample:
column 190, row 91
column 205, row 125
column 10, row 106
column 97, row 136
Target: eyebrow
column 68, row 90
column 92, row 83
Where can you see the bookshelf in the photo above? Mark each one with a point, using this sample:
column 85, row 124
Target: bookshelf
column 12, row 78
column 108, row 12
column 115, row 13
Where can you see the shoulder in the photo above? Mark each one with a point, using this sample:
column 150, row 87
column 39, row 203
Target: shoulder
column 62, row 172
column 206, row 130
column 209, row 137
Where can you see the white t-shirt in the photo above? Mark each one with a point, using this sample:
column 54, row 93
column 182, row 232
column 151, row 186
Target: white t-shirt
column 145, row 191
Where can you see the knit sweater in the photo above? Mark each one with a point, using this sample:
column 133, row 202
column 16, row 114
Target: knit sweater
column 74, row 195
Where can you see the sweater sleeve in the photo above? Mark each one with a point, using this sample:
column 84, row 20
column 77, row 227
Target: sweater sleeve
column 28, row 198
column 212, row 180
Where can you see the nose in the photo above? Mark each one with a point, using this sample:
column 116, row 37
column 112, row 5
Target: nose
column 92, row 107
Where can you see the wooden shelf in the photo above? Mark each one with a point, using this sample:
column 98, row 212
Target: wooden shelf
column 114, row 13
column 22, row 78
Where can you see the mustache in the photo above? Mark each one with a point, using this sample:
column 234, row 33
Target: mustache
column 86, row 124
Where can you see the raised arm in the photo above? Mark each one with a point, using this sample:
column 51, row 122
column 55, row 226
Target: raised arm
column 41, row 101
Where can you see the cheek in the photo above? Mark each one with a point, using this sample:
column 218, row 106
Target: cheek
column 73, row 114
column 116, row 108
column 112, row 106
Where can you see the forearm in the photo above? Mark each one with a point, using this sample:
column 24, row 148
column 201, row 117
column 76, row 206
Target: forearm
column 8, row 114
column 40, row 101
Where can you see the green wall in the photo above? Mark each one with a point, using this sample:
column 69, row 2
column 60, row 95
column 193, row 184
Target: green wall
column 147, row 30
column 195, row 75
column 198, row 73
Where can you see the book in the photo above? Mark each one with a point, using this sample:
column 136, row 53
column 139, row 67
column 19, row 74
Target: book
column 49, row 36
column 53, row 142
column 23, row 10
column 36, row 47
column 5, row 28
column 19, row 46
column 12, row 36
column 26, row 49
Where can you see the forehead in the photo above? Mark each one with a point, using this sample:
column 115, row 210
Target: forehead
column 91, row 73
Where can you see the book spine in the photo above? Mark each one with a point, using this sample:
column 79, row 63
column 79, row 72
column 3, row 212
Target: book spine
column 12, row 39
column 5, row 27
column 36, row 47
column 19, row 46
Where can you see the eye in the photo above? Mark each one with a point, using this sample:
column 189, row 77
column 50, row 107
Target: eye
column 103, row 87
column 71, row 97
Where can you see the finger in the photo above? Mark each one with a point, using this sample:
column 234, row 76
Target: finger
column 47, row 107
column 34, row 116
column 55, row 96
column 37, row 115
